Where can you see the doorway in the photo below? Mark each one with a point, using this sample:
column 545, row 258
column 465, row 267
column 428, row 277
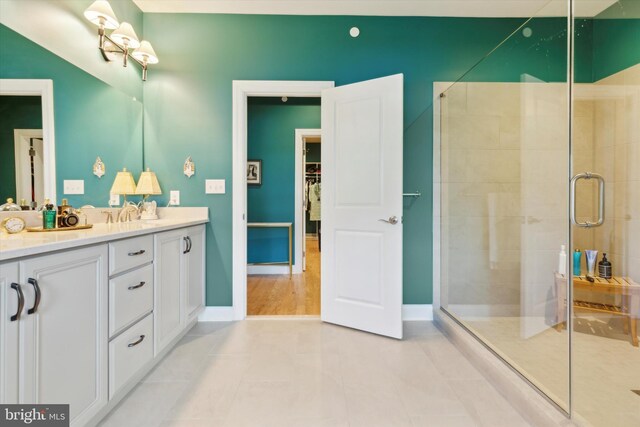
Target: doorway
column 279, row 207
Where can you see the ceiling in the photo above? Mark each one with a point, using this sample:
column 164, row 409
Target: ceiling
column 461, row 8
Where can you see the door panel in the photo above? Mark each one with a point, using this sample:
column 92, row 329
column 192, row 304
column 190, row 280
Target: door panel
column 64, row 342
column 9, row 332
column 195, row 272
column 362, row 127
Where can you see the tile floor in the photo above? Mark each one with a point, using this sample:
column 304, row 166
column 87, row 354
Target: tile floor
column 308, row 373
column 606, row 367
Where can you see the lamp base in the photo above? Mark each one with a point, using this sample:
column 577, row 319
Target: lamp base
column 146, row 215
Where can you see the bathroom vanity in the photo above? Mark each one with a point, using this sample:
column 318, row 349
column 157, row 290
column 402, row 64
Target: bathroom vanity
column 84, row 315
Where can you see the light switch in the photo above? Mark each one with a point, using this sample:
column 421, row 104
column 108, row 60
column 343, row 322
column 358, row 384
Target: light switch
column 214, row 186
column 73, row 186
column 174, row 198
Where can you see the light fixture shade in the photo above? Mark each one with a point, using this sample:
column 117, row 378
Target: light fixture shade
column 125, row 35
column 100, row 12
column 148, row 184
column 124, row 183
column 145, row 52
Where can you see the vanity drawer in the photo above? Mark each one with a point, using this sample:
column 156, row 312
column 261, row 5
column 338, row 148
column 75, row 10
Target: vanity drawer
column 130, row 253
column 130, row 297
column 129, row 353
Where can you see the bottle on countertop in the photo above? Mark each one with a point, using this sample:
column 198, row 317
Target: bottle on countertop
column 605, row 268
column 24, row 205
column 562, row 261
column 48, row 215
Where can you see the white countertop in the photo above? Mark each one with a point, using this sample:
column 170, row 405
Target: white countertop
column 29, row 243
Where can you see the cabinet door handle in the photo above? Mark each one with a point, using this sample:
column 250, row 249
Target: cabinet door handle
column 36, row 288
column 20, row 301
column 136, row 286
column 135, row 343
column 140, row 252
column 190, row 243
column 186, row 243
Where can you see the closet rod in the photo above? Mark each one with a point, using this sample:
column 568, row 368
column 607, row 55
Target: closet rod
column 416, row 194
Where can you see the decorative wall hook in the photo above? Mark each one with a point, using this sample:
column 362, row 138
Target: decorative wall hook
column 189, row 167
column 99, row 168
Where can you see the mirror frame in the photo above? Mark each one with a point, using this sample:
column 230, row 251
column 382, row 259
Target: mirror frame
column 44, row 89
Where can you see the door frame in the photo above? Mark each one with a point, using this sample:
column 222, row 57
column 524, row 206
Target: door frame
column 242, row 90
column 300, row 237
column 44, row 89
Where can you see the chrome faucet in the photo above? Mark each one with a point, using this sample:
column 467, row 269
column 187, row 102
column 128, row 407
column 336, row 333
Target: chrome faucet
column 129, row 212
column 109, row 216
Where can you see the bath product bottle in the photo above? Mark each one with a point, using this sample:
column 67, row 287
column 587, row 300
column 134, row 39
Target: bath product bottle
column 591, row 255
column 604, row 268
column 23, row 205
column 577, row 258
column 562, row 261
column 48, row 216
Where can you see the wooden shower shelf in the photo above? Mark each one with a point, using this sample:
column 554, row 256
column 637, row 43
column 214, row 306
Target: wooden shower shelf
column 627, row 289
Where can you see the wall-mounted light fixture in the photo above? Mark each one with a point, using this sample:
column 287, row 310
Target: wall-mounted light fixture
column 122, row 39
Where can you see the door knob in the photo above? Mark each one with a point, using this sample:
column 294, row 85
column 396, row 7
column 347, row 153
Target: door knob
column 393, row 220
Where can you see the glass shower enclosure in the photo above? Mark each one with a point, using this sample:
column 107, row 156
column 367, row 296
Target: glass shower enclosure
column 537, row 176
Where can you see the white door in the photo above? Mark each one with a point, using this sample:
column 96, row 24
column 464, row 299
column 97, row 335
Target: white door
column 362, row 127
column 168, row 278
column 11, row 310
column 24, row 139
column 64, row 331
column 194, row 262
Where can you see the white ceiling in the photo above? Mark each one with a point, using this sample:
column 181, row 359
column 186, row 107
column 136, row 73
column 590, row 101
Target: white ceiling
column 461, row 8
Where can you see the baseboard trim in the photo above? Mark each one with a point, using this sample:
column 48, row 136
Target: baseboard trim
column 216, row 314
column 410, row 312
column 271, row 269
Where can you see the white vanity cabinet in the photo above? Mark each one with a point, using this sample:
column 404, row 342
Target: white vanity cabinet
column 62, row 331
column 179, row 280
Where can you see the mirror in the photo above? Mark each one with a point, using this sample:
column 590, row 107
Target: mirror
column 81, row 118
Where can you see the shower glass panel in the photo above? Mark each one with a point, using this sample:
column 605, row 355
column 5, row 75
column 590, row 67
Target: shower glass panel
column 504, row 168
column 606, row 141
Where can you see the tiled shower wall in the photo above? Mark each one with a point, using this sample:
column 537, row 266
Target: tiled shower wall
column 504, row 168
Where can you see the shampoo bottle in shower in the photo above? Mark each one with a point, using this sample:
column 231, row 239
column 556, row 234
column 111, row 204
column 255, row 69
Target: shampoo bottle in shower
column 562, row 261
column 577, row 258
column 604, row 267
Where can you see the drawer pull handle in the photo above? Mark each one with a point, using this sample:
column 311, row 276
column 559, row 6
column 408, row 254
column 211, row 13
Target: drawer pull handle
column 140, row 252
column 135, row 343
column 20, row 301
column 136, row 286
column 36, row 303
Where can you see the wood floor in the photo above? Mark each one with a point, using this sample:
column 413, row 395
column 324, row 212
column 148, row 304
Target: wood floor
column 270, row 295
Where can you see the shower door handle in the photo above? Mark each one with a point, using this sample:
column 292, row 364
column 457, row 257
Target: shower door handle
column 574, row 182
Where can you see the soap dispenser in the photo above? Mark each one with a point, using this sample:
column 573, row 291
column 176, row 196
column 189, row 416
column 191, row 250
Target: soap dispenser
column 604, row 267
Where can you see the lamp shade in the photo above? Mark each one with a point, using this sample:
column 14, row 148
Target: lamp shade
column 148, row 184
column 145, row 53
column 125, row 36
column 124, row 183
column 100, row 13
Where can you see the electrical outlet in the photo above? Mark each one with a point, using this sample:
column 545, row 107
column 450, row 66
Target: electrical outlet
column 73, row 186
column 174, row 198
column 214, row 186
column 114, row 200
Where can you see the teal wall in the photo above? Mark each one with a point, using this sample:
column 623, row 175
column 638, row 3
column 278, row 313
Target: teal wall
column 188, row 99
column 91, row 118
column 271, row 138
column 16, row 112
column 616, row 45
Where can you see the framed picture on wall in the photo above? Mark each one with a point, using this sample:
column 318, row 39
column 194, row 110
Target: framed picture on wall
column 254, row 172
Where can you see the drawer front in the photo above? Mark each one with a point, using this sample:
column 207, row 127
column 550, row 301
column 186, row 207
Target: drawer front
column 129, row 353
column 130, row 297
column 130, row 253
